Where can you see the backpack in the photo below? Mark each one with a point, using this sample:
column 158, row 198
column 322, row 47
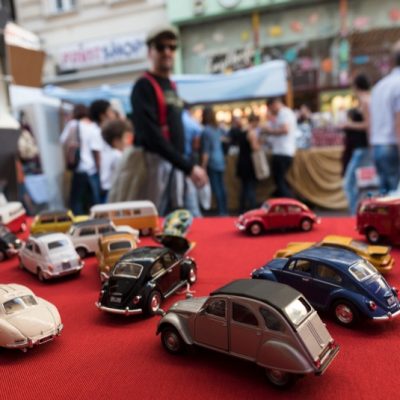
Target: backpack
column 162, row 106
column 72, row 148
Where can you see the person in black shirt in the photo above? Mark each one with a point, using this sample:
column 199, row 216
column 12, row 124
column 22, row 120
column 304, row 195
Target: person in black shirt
column 157, row 118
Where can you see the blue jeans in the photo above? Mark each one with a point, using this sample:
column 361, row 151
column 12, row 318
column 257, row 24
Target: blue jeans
column 359, row 158
column 85, row 192
column 218, row 188
column 191, row 198
column 247, row 199
column 387, row 162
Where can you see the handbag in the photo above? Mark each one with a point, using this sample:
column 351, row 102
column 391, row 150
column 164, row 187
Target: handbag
column 260, row 164
column 72, row 149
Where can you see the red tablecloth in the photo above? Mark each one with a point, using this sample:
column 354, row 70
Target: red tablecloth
column 101, row 356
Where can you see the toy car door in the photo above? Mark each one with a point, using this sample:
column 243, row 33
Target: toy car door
column 293, row 217
column 28, row 256
column 298, row 274
column 245, row 331
column 211, row 327
column 276, row 217
column 169, row 261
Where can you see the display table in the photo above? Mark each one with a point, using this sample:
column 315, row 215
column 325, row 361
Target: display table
column 100, row 356
column 315, row 175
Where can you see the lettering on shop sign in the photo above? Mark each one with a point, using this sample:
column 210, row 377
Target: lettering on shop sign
column 234, row 60
column 102, row 52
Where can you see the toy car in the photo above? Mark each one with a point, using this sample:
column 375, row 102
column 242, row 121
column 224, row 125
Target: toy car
column 55, row 221
column 26, row 320
column 268, row 323
column 50, row 255
column 277, row 214
column 85, row 235
column 13, row 216
column 338, row 281
column 9, row 243
column 112, row 246
column 140, row 215
column 378, row 256
column 143, row 278
column 177, row 223
column 379, row 219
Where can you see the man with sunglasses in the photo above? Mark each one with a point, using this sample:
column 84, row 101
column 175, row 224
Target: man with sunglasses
column 157, row 117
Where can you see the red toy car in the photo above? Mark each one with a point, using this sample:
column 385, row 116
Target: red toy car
column 277, row 214
column 379, row 219
column 13, row 216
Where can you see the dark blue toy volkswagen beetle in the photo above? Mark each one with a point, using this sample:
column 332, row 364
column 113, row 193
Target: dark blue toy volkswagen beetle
column 338, row 281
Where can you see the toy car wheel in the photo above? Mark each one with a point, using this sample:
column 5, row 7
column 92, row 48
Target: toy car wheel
column 306, row 225
column 172, row 340
column 255, row 229
column 82, row 252
column 192, row 275
column 2, row 256
column 153, row 302
column 280, row 379
column 373, row 236
column 345, row 313
column 40, row 275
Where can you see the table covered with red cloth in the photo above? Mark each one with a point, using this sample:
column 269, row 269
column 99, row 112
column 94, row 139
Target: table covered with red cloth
column 102, row 356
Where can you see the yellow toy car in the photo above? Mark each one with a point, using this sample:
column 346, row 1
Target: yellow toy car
column 55, row 221
column 378, row 256
column 112, row 246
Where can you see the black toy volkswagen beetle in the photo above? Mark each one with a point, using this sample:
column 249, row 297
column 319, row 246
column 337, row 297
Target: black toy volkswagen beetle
column 142, row 278
column 9, row 243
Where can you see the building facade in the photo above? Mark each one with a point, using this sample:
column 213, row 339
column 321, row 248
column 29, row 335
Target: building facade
column 324, row 42
column 91, row 42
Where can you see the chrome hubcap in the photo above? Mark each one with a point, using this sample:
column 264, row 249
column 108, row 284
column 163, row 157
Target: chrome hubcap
column 192, row 276
column 306, row 225
column 344, row 314
column 373, row 236
column 155, row 302
column 172, row 341
column 277, row 376
column 255, row 229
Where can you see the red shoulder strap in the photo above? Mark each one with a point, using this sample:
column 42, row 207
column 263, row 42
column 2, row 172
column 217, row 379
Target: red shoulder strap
column 162, row 106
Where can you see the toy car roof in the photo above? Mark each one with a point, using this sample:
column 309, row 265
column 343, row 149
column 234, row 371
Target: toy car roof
column 50, row 213
column 389, row 200
column 329, row 254
column 144, row 255
column 122, row 205
column 116, row 234
column 92, row 222
column 276, row 294
column 285, row 201
column 49, row 236
column 13, row 290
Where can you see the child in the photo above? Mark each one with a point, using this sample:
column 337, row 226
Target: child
column 116, row 134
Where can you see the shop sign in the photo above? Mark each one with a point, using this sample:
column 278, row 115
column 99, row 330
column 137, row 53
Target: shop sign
column 232, row 61
column 102, row 52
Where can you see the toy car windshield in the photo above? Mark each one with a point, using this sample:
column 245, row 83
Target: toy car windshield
column 265, row 206
column 362, row 270
column 19, row 303
column 57, row 243
column 128, row 270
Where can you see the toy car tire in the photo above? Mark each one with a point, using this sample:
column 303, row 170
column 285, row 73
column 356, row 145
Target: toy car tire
column 171, row 340
column 373, row 236
column 82, row 252
column 306, row 225
column 40, row 275
column 280, row 379
column 345, row 313
column 21, row 265
column 153, row 302
column 254, row 229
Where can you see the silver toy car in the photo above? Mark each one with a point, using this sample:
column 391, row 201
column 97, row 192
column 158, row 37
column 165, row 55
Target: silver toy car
column 265, row 322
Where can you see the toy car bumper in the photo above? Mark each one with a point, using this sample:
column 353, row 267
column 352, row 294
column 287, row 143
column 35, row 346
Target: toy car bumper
column 55, row 274
column 387, row 317
column 326, row 361
column 386, row 268
column 29, row 343
column 119, row 311
column 240, row 226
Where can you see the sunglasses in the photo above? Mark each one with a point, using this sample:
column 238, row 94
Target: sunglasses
column 162, row 47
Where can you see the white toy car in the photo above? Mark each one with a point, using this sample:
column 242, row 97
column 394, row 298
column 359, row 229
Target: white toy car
column 50, row 255
column 85, row 235
column 26, row 320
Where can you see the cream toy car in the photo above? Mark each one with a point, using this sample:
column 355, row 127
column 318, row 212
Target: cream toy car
column 25, row 319
column 85, row 235
column 50, row 255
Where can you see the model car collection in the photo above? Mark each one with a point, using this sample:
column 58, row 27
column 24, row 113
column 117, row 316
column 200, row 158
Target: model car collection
column 268, row 323
column 25, row 319
column 338, row 281
column 378, row 256
column 270, row 319
column 277, row 214
column 143, row 278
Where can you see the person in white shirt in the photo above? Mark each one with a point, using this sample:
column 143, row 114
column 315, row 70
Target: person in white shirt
column 114, row 133
column 385, row 126
column 281, row 129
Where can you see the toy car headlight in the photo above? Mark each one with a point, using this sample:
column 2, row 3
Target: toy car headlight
column 136, row 299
